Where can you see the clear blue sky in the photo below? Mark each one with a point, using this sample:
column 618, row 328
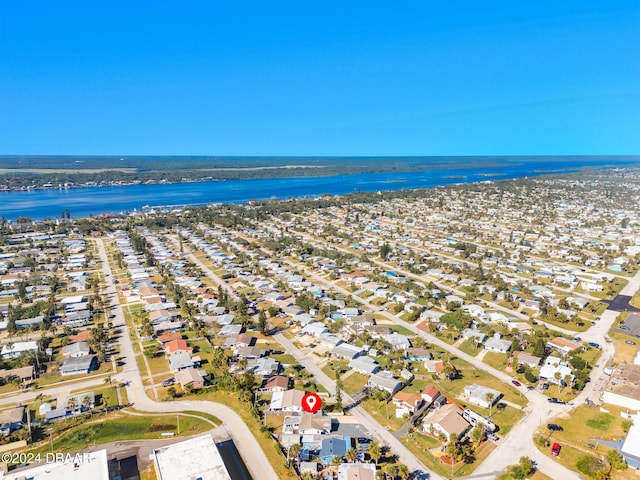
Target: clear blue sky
column 320, row 77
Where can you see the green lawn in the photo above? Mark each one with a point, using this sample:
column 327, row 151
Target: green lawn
column 470, row 347
column 379, row 411
column 117, row 427
column 354, row 382
column 332, row 365
column 583, row 424
column 496, row 360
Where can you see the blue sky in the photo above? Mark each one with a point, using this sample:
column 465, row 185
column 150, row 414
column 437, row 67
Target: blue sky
column 320, row 77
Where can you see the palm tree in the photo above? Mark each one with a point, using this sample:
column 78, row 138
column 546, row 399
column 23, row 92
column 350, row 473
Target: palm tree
column 557, row 377
column 294, row 452
column 351, row 455
column 403, row 471
column 375, row 452
column 490, row 397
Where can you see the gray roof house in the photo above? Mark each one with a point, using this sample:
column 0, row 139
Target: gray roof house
column 346, row 351
column 385, row 381
column 180, row 361
column 497, row 345
column 365, row 365
column 76, row 365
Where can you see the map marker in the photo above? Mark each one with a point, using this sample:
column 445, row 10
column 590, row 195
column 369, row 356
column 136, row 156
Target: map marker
column 311, row 402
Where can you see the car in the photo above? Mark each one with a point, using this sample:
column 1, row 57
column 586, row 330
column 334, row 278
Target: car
column 493, row 436
column 516, row 383
column 168, row 382
column 629, row 342
column 556, row 400
column 555, row 449
column 364, row 440
column 594, row 344
column 624, row 327
column 554, row 427
column 112, row 315
column 577, row 339
column 544, row 386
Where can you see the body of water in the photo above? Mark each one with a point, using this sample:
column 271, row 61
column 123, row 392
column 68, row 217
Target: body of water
column 82, row 202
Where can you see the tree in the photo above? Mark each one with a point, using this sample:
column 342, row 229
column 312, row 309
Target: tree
column 375, row 452
column 172, row 392
column 527, row 465
column 294, row 452
column 385, row 250
column 477, row 435
column 351, row 455
column 616, row 460
column 539, row 347
column 338, row 391
column 262, row 323
column 517, row 472
column 403, row 471
column 490, row 397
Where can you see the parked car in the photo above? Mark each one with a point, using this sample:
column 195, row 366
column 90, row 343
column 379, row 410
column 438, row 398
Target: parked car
column 556, row 400
column 554, row 427
column 493, row 436
column 168, row 382
column 516, row 383
column 624, row 327
column 629, row 342
column 594, row 344
column 555, row 449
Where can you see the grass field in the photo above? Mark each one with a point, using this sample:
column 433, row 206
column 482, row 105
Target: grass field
column 354, row 382
column 579, row 427
column 496, row 360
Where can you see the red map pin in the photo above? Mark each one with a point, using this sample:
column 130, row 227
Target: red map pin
column 311, row 402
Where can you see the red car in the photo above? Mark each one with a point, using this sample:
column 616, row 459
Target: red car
column 516, row 383
column 555, row 449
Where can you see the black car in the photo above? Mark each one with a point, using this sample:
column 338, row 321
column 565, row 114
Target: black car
column 556, row 400
column 168, row 382
column 554, row 427
column 364, row 440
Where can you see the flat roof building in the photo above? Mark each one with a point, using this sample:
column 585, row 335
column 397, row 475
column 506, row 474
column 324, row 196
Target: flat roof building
column 80, row 466
column 195, row 458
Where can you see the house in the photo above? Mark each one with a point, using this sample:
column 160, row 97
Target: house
column 434, row 366
column 78, row 349
column 251, row 353
column 364, row 365
column 314, row 424
column 623, row 388
column 356, row 471
column 231, row 331
column 347, row 351
column 11, row 420
column 527, row 359
column 418, row 354
column 245, row 340
column 277, row 383
column 481, row 395
column 447, row 420
column 25, row 374
column 314, row 329
column 265, row 366
column 166, row 337
column 430, row 394
column 287, row 401
column 496, row 344
column 77, row 365
column 556, row 371
column 398, row 341
column 180, row 361
column 384, row 381
column 190, row 376
column 35, row 322
column 332, row 447
column 175, row 347
column 15, row 349
column 474, row 334
column 563, row 345
column 407, row 401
